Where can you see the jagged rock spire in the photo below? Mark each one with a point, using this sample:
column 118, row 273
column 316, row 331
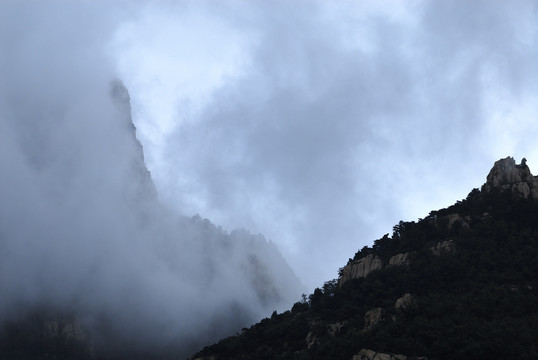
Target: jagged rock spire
column 506, row 175
column 142, row 188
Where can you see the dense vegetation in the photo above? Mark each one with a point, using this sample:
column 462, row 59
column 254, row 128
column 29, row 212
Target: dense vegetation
column 38, row 336
column 478, row 301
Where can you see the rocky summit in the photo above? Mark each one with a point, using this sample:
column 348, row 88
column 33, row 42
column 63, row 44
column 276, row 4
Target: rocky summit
column 506, row 175
column 461, row 283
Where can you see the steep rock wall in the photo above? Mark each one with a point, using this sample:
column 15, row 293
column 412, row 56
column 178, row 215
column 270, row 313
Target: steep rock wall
column 361, row 268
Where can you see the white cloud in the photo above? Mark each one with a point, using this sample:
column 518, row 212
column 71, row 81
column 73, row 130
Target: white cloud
column 319, row 124
column 79, row 228
column 345, row 117
column 174, row 55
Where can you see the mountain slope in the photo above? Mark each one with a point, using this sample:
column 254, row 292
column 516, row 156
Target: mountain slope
column 462, row 283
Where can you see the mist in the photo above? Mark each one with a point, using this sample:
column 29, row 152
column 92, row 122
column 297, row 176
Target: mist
column 317, row 124
column 322, row 124
column 81, row 227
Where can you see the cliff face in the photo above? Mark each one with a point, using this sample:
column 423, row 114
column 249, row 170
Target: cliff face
column 361, row 268
column 142, row 187
column 507, row 176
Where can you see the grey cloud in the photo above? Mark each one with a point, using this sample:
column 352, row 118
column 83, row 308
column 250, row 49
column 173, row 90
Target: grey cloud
column 335, row 143
column 79, row 228
column 340, row 123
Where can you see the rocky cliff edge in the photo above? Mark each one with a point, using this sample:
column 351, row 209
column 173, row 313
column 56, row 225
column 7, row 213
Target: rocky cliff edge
column 506, row 175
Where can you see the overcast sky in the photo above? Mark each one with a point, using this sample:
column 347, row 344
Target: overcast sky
column 319, row 124
column 79, row 228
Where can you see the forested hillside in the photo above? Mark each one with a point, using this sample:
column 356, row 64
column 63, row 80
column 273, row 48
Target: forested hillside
column 460, row 283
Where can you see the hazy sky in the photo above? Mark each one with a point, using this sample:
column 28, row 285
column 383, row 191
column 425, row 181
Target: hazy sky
column 319, row 124
column 79, row 228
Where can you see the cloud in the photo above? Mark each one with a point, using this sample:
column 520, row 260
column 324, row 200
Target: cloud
column 318, row 124
column 79, row 228
column 341, row 119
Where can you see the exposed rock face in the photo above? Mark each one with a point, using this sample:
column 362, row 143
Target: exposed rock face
column 405, row 302
column 448, row 221
column 361, row 268
column 507, row 176
column 452, row 218
column 143, row 188
column 399, row 259
column 443, row 247
column 366, row 354
column 70, row 329
column 47, row 329
column 311, row 339
column 372, row 317
column 334, row 329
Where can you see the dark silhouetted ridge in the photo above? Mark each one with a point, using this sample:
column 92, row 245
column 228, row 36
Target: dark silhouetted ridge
column 461, row 283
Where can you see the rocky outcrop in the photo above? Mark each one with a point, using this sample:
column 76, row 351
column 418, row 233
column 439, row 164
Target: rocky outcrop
column 372, row 318
column 399, row 259
column 448, row 221
column 47, row 329
column 366, row 354
column 68, row 329
column 361, row 268
column 311, row 339
column 142, row 188
column 405, row 302
column 334, row 329
column 452, row 218
column 443, row 247
column 507, row 176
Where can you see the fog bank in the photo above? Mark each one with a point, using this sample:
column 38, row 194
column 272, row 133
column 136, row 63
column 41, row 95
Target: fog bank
column 81, row 228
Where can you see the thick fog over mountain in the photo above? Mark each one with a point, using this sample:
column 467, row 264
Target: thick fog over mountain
column 321, row 124
column 81, row 228
column 318, row 124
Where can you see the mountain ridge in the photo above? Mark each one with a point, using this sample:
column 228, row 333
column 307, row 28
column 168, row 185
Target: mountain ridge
column 456, row 284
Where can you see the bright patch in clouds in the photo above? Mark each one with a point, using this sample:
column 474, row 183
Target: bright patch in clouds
column 322, row 124
column 172, row 58
column 319, row 124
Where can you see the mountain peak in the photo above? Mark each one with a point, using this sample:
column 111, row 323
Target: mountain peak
column 143, row 187
column 506, row 175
